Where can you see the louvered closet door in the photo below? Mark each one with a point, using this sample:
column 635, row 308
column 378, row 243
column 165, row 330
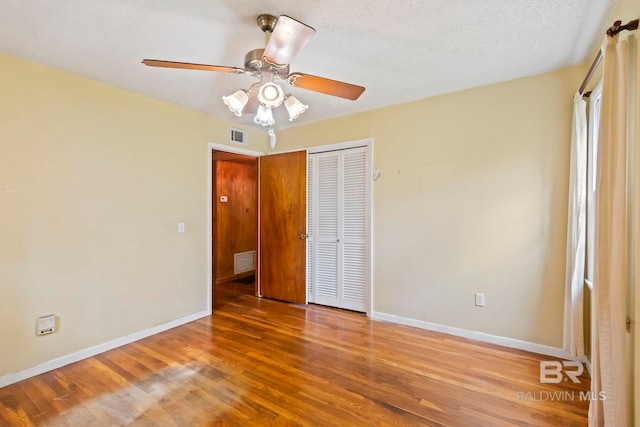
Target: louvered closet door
column 354, row 229
column 337, row 220
column 326, row 229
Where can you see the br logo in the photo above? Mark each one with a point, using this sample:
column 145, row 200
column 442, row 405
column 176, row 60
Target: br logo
column 554, row 372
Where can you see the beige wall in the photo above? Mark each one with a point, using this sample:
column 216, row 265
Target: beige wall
column 93, row 181
column 472, row 198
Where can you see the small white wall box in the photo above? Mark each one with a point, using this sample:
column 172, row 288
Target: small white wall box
column 46, row 324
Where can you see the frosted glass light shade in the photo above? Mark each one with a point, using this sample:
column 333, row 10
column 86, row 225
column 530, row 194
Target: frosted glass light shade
column 294, row 107
column 288, row 38
column 236, row 101
column 270, row 95
column 264, row 116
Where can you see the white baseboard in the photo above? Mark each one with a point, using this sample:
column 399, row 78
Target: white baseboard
column 101, row 348
column 50, row 365
column 477, row 336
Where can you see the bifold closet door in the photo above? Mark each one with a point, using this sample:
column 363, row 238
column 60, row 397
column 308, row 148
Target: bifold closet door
column 337, row 227
column 326, row 238
column 354, row 229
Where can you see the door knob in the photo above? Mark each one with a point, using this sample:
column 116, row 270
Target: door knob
column 302, row 236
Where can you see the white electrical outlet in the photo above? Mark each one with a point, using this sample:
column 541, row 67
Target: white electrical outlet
column 479, row 300
column 46, row 324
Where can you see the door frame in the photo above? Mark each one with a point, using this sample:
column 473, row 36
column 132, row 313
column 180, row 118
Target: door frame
column 368, row 143
column 211, row 146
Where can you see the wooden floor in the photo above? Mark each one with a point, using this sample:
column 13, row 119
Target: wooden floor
column 261, row 362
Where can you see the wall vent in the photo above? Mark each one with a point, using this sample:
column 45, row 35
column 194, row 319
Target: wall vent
column 238, row 136
column 243, row 262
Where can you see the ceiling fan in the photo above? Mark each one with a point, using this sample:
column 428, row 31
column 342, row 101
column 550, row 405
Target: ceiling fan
column 285, row 37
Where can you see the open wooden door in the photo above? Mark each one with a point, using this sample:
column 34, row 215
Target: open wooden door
column 283, row 202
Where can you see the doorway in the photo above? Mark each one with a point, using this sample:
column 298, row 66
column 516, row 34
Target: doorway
column 234, row 220
column 266, row 229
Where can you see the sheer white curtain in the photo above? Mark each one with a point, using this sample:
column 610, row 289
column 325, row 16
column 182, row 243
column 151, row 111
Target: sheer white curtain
column 574, row 281
column 610, row 269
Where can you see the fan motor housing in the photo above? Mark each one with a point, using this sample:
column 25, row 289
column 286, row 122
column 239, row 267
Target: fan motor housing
column 254, row 61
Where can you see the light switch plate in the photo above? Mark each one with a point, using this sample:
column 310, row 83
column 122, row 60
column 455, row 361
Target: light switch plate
column 181, row 227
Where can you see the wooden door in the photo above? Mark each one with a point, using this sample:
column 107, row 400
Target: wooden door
column 283, row 201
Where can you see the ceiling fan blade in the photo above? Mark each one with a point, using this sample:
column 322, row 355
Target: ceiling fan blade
column 288, row 38
column 189, row 66
column 326, row 86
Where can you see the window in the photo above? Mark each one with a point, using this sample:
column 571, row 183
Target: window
column 592, row 162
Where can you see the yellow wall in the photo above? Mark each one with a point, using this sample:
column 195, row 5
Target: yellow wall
column 472, row 198
column 93, row 181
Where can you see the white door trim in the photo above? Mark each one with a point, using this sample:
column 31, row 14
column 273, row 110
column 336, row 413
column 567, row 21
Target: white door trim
column 368, row 142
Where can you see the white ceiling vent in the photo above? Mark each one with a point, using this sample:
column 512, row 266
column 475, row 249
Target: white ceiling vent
column 238, row 136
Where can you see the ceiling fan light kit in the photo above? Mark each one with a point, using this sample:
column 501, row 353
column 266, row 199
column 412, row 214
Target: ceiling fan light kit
column 287, row 40
column 270, row 95
column 236, row 101
column 294, row 107
column 264, row 116
column 285, row 37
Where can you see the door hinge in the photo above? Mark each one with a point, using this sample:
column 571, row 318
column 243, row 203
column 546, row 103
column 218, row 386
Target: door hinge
column 628, row 324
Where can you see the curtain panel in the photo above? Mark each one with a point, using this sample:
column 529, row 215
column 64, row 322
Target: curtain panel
column 573, row 337
column 608, row 370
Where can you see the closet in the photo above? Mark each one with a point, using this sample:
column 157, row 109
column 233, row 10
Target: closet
column 338, row 260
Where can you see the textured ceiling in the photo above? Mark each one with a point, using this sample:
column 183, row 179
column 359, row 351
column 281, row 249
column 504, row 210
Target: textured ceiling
column 400, row 51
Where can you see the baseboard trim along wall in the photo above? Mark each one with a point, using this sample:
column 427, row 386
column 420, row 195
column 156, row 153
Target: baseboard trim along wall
column 477, row 336
column 96, row 349
column 101, row 348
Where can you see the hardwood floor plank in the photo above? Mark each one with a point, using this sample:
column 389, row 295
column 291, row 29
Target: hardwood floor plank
column 268, row 363
column 12, row 409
